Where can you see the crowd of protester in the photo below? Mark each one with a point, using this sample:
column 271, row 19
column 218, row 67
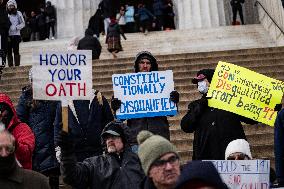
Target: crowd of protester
column 100, row 150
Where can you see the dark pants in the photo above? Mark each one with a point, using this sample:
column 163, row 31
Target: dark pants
column 13, row 44
column 4, row 42
column 53, row 176
column 130, row 27
column 50, row 25
column 159, row 22
column 235, row 9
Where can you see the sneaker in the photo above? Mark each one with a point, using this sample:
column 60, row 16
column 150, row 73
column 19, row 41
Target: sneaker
column 146, row 32
column 52, row 38
column 46, row 39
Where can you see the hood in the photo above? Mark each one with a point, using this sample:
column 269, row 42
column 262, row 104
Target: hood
column 12, row 2
column 117, row 128
column 238, row 145
column 89, row 32
column 147, row 55
column 5, row 99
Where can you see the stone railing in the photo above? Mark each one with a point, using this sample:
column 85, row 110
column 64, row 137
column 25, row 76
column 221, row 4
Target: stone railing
column 271, row 16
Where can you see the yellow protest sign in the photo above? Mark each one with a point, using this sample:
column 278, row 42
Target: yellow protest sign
column 245, row 92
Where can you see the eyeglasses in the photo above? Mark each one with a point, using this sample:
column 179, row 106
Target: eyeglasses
column 240, row 156
column 162, row 162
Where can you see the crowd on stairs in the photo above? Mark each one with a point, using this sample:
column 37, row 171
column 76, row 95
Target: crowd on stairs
column 102, row 151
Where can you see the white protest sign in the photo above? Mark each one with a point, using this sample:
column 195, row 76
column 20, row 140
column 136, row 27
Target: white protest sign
column 244, row 174
column 144, row 94
column 64, row 76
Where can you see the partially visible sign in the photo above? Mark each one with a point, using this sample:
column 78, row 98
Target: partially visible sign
column 144, row 94
column 62, row 75
column 244, row 92
column 244, row 174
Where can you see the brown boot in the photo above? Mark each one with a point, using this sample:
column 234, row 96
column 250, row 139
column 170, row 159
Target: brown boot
column 10, row 60
column 17, row 60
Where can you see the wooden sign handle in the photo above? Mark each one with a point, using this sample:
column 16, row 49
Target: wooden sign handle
column 65, row 118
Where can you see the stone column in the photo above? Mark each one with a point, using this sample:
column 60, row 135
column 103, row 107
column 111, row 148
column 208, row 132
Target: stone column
column 199, row 13
column 73, row 16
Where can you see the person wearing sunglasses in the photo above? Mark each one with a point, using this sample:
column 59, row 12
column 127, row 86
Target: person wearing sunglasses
column 238, row 149
column 159, row 160
column 11, row 174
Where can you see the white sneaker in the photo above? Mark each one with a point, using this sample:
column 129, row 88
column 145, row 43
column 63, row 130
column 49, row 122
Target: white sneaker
column 46, row 39
column 52, row 38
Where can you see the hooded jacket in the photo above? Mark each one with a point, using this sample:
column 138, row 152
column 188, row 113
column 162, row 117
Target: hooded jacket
column 157, row 125
column 25, row 140
column 17, row 20
column 107, row 171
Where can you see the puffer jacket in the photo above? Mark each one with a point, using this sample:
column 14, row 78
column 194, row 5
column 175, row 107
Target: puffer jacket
column 17, row 22
column 40, row 119
column 25, row 140
column 213, row 129
column 86, row 121
column 106, row 171
column 157, row 125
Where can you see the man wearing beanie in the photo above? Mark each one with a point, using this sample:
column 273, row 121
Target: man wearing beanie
column 146, row 62
column 159, row 160
column 213, row 128
column 117, row 168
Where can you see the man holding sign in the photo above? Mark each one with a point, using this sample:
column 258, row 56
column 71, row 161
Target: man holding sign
column 213, row 128
column 146, row 62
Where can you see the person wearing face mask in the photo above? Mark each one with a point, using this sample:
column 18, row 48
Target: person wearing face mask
column 14, row 39
column 11, row 174
column 25, row 139
column 213, row 128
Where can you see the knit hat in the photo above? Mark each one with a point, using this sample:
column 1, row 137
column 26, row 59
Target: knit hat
column 152, row 147
column 202, row 74
column 145, row 55
column 238, row 145
column 12, row 2
column 200, row 173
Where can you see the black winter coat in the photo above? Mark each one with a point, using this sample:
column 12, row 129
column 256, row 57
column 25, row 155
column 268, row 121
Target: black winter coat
column 157, row 125
column 213, row 129
column 87, row 133
column 39, row 116
column 147, row 184
column 4, row 20
column 107, row 171
column 90, row 43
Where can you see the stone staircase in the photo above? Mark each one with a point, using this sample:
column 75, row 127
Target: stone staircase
column 169, row 42
column 268, row 61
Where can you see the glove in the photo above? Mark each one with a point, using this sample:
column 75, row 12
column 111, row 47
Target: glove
column 174, row 96
column 198, row 106
column 65, row 142
column 58, row 153
column 115, row 104
column 278, row 107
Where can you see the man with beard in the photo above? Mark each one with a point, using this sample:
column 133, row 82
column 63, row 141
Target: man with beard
column 117, row 168
column 25, row 140
column 11, row 175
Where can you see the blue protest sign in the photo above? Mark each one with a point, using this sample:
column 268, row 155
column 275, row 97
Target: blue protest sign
column 144, row 94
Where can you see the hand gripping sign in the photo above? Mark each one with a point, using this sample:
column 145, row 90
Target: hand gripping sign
column 62, row 76
column 244, row 92
column 144, row 94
